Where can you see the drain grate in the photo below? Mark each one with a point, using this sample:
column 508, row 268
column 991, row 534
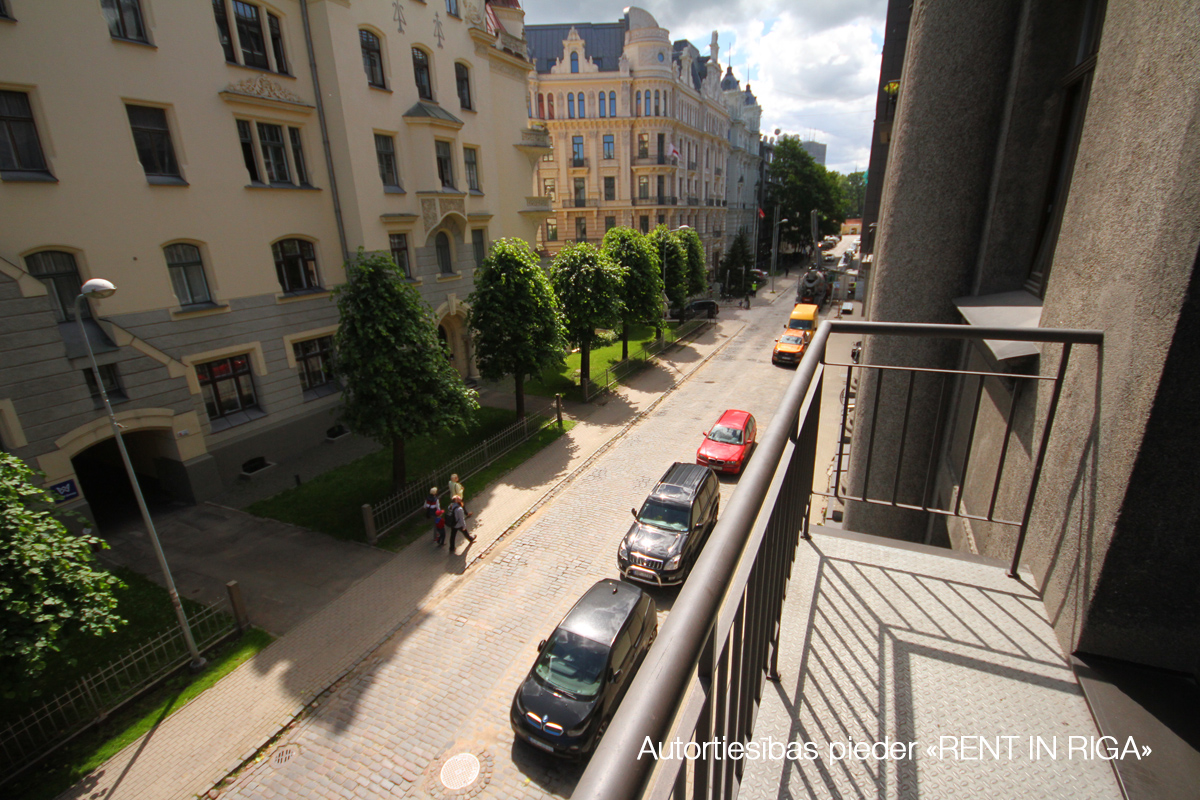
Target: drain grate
column 284, row 754
column 460, row 771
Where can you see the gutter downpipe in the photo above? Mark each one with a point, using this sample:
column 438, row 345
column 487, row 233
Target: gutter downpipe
column 333, row 188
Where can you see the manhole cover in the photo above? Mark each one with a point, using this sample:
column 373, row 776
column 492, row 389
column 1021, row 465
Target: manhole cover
column 460, row 771
column 284, row 754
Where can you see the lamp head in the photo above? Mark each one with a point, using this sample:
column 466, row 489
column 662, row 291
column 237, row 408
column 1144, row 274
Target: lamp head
column 98, row 287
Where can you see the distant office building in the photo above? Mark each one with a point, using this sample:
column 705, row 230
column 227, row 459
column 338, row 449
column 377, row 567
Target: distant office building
column 816, row 150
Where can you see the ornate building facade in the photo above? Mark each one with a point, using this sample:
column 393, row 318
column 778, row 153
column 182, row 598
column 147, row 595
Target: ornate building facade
column 219, row 162
column 743, row 179
column 639, row 127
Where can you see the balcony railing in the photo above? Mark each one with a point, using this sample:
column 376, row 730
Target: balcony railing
column 703, row 678
column 693, row 201
column 691, row 165
column 575, row 202
column 656, row 200
column 578, row 163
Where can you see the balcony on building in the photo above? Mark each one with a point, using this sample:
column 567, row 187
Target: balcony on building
column 792, row 628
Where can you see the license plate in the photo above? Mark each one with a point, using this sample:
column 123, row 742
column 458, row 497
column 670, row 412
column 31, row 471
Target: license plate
column 540, row 745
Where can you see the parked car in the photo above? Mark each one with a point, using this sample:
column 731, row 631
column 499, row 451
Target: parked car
column 789, row 348
column 759, row 274
column 668, row 533
column 728, row 443
column 583, row 669
column 698, row 308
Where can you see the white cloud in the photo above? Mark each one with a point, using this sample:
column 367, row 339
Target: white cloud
column 814, row 66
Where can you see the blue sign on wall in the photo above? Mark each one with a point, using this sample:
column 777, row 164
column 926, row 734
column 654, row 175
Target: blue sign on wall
column 67, row 490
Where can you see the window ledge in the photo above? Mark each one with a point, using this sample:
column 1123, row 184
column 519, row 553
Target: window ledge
column 141, row 42
column 199, row 310
column 383, row 89
column 475, row 193
column 1018, row 309
column 301, row 294
column 472, row 109
column 305, row 187
column 264, row 70
column 236, row 418
column 446, row 277
column 166, row 180
column 393, row 190
column 413, row 281
column 324, row 390
column 27, row 176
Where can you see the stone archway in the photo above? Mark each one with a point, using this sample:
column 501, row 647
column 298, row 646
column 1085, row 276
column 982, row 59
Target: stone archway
column 452, row 331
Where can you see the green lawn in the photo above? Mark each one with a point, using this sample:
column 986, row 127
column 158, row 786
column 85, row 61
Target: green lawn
column 564, row 381
column 332, row 502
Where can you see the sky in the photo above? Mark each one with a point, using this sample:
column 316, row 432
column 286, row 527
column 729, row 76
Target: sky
column 812, row 64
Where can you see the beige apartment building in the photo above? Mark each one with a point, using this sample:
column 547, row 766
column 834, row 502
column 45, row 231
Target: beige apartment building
column 218, row 162
column 639, row 128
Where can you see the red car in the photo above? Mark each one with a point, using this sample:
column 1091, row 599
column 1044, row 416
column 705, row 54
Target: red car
column 727, row 446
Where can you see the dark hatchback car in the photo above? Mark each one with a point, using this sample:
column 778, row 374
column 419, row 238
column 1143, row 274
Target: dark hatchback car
column 672, row 527
column 583, row 669
column 697, row 308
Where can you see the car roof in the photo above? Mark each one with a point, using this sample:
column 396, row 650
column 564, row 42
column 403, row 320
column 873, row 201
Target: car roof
column 602, row 611
column 734, row 418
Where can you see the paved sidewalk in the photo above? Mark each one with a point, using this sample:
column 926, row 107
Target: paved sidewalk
column 218, row 731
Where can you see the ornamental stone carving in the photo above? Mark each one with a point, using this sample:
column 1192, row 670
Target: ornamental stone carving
column 429, row 212
column 261, row 86
column 450, row 204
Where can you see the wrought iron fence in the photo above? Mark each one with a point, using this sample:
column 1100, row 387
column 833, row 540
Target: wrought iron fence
column 36, row 730
column 703, row 678
column 641, row 356
column 390, row 512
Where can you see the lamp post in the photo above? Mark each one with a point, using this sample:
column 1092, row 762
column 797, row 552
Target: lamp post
column 775, row 247
column 98, row 287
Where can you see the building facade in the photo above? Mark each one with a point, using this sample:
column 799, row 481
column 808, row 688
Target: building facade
column 1054, row 175
column 742, row 184
column 639, row 129
column 219, row 162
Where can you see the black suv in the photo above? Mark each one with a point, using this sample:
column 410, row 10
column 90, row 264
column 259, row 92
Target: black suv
column 672, row 526
column 584, row 668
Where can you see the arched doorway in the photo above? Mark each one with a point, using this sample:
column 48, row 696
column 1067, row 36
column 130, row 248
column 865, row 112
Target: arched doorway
column 105, row 485
column 452, row 333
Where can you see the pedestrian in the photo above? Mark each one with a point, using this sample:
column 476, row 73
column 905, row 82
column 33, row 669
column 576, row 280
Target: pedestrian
column 458, row 521
column 433, row 507
column 439, row 528
column 455, row 487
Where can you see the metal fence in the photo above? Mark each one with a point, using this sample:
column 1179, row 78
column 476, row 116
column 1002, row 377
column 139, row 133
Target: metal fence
column 623, row 369
column 390, row 512
column 703, row 678
column 36, row 730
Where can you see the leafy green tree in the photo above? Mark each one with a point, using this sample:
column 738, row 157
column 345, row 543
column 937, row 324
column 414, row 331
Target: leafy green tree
column 518, row 329
column 736, row 264
column 49, row 581
column 697, row 266
column 589, row 286
column 798, row 184
column 854, row 189
column 675, row 267
column 397, row 375
column 643, row 284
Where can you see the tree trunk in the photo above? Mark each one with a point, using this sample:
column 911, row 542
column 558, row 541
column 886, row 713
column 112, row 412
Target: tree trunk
column 519, row 382
column 585, row 364
column 399, row 475
column 625, row 341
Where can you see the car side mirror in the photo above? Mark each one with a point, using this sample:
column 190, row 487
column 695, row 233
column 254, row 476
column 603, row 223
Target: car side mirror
column 541, row 645
column 613, row 675
column 634, row 512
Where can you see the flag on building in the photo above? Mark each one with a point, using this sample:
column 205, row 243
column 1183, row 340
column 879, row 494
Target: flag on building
column 761, row 215
column 673, row 151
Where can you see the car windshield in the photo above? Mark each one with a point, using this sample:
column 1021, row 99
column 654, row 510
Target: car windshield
column 672, row 518
column 792, row 340
column 572, row 664
column 726, row 435
column 800, row 324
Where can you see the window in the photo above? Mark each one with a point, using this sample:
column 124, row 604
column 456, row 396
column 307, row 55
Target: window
column 442, row 246
column 550, row 106
column 602, row 106
column 296, row 265
column 385, row 154
column 574, row 62
column 609, row 223
column 298, row 157
column 20, row 150
column 551, row 230
column 609, row 146
column 398, row 242
column 577, row 152
column 637, row 102
column 111, row 380
column 541, row 106
column 580, row 229
column 612, row 104
column 421, row 72
column 222, row 17
column 153, row 140
column 643, row 145
column 582, row 111
column 548, row 188
column 643, row 187
column 471, row 162
column 610, row 188
column 58, row 271
column 228, row 390
column 274, row 153
column 644, row 221
column 580, row 192
column 452, row 7
column 646, row 112
column 445, row 164
column 462, row 79
column 277, row 44
column 570, row 106
column 478, row 245
column 250, row 35
column 247, row 139
column 124, row 19
column 372, row 56
column 4, row 11
column 187, row 274
column 315, row 362
column 656, row 112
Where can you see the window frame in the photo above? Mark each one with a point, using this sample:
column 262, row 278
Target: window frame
column 444, row 154
column 110, row 376
column 240, row 373
column 155, row 142
column 479, row 245
column 471, row 168
column 304, row 262
column 425, row 68
column 398, row 246
column 254, row 154
column 326, row 357
column 116, row 13
column 274, row 153
column 380, row 157
column 610, row 188
column 462, row 83
column 234, row 33
column 247, row 31
column 603, row 105
column 609, row 145
column 452, row 8
column 552, row 230
column 372, row 54
column 643, row 145
column 179, row 272
column 56, row 278
column 444, row 251
column 18, row 169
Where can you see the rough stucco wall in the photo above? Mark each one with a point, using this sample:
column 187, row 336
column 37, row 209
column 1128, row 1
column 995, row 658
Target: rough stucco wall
column 1124, row 264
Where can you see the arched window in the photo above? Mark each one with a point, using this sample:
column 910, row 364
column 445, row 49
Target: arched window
column 372, row 56
column 296, row 265
column 58, row 271
column 612, row 104
column 637, row 103
column 656, row 108
column 462, row 79
column 421, row 73
column 541, row 106
column 646, row 111
column 187, row 274
column 442, row 245
column 602, row 105
column 550, row 107
column 570, row 106
column 582, row 108
column 574, row 62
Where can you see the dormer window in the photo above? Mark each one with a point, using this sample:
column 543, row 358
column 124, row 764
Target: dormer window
column 574, row 62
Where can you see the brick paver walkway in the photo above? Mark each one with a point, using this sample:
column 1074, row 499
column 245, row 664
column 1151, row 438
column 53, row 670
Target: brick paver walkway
column 214, row 734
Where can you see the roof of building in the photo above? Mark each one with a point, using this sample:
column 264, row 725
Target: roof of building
column 504, row 3
column 729, row 82
column 423, row 109
column 603, row 43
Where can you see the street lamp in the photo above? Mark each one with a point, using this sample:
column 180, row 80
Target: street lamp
column 98, row 287
column 775, row 248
